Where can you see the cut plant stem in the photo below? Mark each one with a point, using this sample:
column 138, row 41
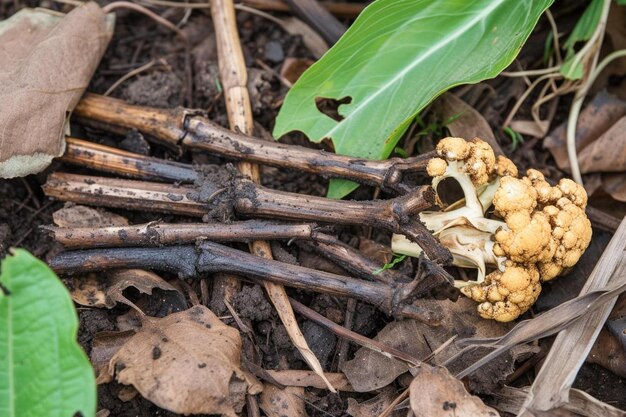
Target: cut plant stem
column 109, row 159
column 397, row 215
column 113, row 160
column 186, row 128
column 157, row 233
column 210, row 257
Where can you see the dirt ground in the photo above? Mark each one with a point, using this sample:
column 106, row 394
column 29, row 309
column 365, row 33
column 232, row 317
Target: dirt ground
column 138, row 40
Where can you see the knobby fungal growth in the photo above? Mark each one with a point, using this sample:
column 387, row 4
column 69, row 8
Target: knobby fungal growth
column 538, row 231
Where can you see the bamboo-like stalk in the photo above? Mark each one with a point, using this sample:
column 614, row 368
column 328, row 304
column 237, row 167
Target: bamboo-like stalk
column 158, row 234
column 397, row 215
column 181, row 127
column 211, row 257
column 108, row 159
column 234, row 78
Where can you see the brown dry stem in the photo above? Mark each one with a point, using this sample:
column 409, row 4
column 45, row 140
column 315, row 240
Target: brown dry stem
column 158, row 234
column 397, row 215
column 210, row 257
column 183, row 127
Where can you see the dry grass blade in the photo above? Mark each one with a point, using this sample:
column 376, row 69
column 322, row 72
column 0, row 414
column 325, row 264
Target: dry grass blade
column 510, row 400
column 571, row 347
column 234, row 79
column 578, row 310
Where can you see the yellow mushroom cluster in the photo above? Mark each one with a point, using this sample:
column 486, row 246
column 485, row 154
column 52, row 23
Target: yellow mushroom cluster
column 537, row 232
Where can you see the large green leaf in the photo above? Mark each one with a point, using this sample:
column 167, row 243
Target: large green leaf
column 43, row 371
column 396, row 58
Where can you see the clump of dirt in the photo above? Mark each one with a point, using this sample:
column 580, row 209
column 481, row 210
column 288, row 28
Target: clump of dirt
column 158, row 89
column 251, row 303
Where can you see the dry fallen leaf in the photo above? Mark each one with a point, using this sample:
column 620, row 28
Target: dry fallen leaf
column 600, row 143
column 607, row 153
column 108, row 290
column 188, row 363
column 103, row 347
column 282, row 402
column 596, row 118
column 436, row 393
column 370, row 370
column 465, row 122
column 46, row 62
column 293, row 68
column 374, row 406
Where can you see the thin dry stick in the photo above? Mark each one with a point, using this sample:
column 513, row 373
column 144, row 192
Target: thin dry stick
column 173, row 127
column 158, row 234
column 234, row 78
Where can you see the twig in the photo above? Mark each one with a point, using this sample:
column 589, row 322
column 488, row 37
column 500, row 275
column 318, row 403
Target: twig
column 186, row 128
column 349, row 10
column 318, row 18
column 159, row 234
column 397, row 215
column 107, row 159
column 210, row 257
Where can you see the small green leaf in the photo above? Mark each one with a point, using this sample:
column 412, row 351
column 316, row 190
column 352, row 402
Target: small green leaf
column 394, row 60
column 396, row 260
column 43, row 370
column 585, row 26
column 572, row 67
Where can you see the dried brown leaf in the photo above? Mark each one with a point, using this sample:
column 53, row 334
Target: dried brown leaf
column 374, row 406
column 187, row 362
column 46, row 62
column 293, row 68
column 466, row 121
column 370, row 370
column 436, row 393
column 108, row 290
column 607, row 153
column 615, row 185
column 103, row 347
column 596, row 118
column 609, row 353
column 285, row 402
column 533, row 128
